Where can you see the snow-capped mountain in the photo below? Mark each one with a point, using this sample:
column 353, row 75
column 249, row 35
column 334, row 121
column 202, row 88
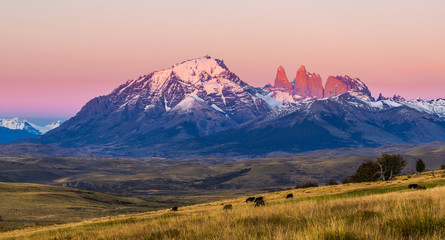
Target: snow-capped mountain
column 46, row 128
column 206, row 80
column 18, row 124
column 199, row 105
column 15, row 128
column 22, row 124
column 345, row 84
column 434, row 107
column 195, row 98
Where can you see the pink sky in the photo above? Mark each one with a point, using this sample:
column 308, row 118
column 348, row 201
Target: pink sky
column 56, row 55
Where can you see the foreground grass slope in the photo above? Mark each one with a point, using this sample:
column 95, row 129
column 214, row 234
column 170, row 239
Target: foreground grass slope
column 379, row 210
column 26, row 204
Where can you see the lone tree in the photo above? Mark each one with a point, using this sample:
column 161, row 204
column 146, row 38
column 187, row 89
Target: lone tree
column 420, row 165
column 390, row 165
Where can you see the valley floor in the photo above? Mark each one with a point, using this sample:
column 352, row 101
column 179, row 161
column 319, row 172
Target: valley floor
column 378, row 210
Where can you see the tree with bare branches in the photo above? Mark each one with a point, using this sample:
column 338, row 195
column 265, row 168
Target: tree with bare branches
column 390, row 165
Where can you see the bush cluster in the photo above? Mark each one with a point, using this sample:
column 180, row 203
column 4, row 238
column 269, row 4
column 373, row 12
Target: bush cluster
column 306, row 185
column 384, row 168
column 332, row 182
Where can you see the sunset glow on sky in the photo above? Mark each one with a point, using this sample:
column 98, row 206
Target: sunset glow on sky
column 56, row 55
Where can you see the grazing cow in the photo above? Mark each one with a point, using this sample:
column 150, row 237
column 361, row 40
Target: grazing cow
column 420, row 187
column 260, row 203
column 174, row 209
column 411, row 186
column 290, row 195
column 250, row 199
column 227, row 207
column 258, row 199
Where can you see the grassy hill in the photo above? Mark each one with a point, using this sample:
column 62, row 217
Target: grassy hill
column 25, row 204
column 378, row 210
column 192, row 181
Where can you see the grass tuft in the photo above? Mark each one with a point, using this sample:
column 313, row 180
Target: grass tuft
column 415, row 227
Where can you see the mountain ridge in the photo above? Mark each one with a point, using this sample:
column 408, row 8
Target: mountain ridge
column 201, row 100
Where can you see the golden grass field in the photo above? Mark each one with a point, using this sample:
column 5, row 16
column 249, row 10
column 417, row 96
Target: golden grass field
column 26, row 204
column 378, row 210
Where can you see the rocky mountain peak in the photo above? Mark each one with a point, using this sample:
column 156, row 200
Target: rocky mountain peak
column 308, row 84
column 342, row 84
column 281, row 80
column 381, row 97
column 205, row 78
column 301, row 70
column 398, row 98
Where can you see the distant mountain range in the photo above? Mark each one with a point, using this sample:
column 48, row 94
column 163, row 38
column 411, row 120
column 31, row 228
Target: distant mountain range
column 15, row 128
column 200, row 107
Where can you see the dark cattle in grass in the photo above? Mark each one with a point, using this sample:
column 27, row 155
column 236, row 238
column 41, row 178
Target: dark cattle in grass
column 174, row 209
column 420, row 188
column 259, row 199
column 260, row 203
column 290, row 195
column 227, row 207
column 250, row 199
column 413, row 186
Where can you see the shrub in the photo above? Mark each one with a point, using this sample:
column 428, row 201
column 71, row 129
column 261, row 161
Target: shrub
column 331, row 182
column 442, row 166
column 306, row 185
column 279, row 189
column 347, row 180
